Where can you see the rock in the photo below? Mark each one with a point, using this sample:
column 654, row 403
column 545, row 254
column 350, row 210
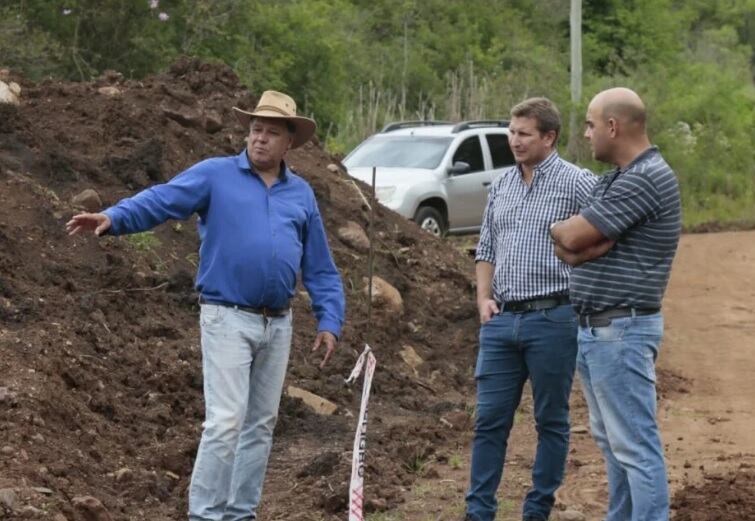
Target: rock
column 7, row 397
column 386, row 296
column 570, row 515
column 377, row 504
column 185, row 117
column 123, row 474
column 42, row 490
column 10, row 92
column 353, row 235
column 7, row 498
column 30, row 511
column 89, row 200
column 38, row 438
column 59, row 517
column 332, row 167
column 319, row 404
column 458, row 420
column 410, row 356
column 109, row 91
column 213, row 122
column 579, row 429
column 91, row 509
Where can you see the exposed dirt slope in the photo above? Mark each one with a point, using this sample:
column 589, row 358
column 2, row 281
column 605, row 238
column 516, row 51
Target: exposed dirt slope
column 100, row 380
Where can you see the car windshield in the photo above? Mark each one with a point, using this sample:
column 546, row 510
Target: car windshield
column 399, row 152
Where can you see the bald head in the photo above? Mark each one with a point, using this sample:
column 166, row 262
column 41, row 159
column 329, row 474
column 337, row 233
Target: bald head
column 623, row 105
column 615, row 126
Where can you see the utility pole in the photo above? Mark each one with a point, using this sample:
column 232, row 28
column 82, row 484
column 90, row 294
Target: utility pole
column 575, row 32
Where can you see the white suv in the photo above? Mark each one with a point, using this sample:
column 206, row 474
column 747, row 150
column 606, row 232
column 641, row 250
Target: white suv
column 436, row 173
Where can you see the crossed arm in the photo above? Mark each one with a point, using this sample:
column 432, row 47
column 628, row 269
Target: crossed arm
column 577, row 241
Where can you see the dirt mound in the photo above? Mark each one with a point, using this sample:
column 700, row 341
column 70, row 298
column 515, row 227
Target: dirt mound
column 100, row 375
column 731, row 496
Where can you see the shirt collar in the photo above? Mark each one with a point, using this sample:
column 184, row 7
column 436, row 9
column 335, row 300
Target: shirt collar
column 547, row 163
column 649, row 151
column 242, row 160
column 543, row 166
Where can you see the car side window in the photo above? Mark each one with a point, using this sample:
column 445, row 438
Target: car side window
column 470, row 152
column 500, row 150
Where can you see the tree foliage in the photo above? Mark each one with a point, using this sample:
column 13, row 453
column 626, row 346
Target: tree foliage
column 353, row 64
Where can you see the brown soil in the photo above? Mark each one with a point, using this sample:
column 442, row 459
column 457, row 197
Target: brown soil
column 731, row 496
column 99, row 357
column 100, row 378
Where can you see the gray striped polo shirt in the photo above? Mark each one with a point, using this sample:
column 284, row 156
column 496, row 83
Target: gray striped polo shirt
column 639, row 207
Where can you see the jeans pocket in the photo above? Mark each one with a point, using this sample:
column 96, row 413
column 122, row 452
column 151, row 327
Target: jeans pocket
column 210, row 314
column 610, row 333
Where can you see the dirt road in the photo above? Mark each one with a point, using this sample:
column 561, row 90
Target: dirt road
column 707, row 388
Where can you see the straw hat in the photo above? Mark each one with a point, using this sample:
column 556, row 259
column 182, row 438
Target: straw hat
column 276, row 105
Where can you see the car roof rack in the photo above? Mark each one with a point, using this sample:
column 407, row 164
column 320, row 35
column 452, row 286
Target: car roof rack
column 466, row 125
column 397, row 125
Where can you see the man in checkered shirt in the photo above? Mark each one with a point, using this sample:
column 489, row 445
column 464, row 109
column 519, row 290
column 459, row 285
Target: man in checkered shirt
column 529, row 330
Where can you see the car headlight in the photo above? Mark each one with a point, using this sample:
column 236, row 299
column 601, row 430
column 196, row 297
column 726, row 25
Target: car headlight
column 384, row 193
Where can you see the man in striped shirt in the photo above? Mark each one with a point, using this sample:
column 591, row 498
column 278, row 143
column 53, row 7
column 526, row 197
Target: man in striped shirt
column 528, row 326
column 636, row 211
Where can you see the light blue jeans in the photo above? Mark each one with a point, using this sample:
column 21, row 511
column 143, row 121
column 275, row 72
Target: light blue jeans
column 616, row 365
column 244, row 360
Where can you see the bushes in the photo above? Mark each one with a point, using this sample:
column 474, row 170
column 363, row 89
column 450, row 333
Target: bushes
column 356, row 64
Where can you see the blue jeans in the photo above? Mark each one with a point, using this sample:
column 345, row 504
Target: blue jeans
column 244, row 360
column 617, row 367
column 541, row 345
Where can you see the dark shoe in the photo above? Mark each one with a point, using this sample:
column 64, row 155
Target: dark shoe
column 533, row 517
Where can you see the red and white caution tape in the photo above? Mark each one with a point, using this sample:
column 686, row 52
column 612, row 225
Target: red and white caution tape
column 356, row 488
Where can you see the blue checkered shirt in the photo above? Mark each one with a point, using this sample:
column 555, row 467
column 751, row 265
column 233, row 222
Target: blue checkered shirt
column 515, row 234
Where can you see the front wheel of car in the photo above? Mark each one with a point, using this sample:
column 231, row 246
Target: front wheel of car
column 431, row 220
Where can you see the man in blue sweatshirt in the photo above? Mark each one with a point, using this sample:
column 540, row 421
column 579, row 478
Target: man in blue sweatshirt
column 259, row 227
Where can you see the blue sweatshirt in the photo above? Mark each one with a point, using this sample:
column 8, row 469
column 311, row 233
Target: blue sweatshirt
column 254, row 239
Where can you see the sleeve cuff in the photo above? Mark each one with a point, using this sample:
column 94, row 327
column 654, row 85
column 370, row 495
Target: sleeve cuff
column 484, row 257
column 596, row 220
column 331, row 326
column 114, row 229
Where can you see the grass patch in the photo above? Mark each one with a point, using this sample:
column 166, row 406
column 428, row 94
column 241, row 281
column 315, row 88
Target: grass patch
column 144, row 241
column 416, row 464
column 455, row 461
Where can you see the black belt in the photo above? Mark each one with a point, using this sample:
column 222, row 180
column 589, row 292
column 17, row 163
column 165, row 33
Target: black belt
column 264, row 311
column 603, row 318
column 536, row 304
